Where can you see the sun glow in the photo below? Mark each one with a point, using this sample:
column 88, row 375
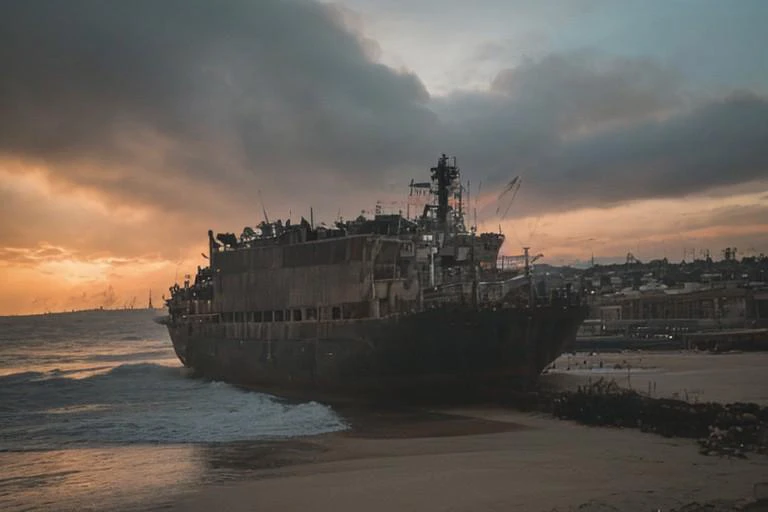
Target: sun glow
column 76, row 271
column 653, row 228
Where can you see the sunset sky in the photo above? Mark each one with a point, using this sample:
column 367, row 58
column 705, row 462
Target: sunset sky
column 128, row 129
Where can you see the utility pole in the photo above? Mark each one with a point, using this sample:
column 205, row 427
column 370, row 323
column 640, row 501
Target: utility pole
column 528, row 276
column 475, row 289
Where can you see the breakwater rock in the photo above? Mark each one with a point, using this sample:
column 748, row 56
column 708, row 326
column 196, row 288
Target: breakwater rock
column 722, row 429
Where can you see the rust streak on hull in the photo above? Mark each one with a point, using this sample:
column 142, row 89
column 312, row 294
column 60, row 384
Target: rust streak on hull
column 423, row 353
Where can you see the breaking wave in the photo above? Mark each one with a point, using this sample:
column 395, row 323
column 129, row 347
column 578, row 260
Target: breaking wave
column 144, row 403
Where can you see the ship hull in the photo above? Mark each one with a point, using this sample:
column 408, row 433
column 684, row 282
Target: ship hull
column 421, row 355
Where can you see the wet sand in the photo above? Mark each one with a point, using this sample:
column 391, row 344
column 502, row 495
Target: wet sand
column 490, row 458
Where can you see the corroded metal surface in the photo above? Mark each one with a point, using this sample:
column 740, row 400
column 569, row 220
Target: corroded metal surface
column 373, row 305
column 446, row 346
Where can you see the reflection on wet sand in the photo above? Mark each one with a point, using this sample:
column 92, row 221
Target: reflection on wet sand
column 92, row 478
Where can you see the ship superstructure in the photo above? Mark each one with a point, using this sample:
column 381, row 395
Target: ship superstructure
column 370, row 305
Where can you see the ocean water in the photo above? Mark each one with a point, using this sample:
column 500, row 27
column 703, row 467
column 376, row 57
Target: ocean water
column 96, row 413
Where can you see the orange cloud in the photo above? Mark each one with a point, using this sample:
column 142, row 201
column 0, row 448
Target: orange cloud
column 68, row 248
column 72, row 248
column 47, row 279
column 649, row 229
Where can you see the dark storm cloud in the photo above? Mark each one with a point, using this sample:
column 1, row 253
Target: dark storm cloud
column 720, row 143
column 197, row 89
column 584, row 130
column 199, row 103
column 535, row 109
column 741, row 215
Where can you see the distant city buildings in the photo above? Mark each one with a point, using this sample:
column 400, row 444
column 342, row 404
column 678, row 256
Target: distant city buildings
column 671, row 297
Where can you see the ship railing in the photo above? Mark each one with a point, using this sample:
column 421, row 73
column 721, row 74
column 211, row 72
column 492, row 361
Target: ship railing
column 206, row 318
column 500, row 286
column 513, row 282
column 560, row 297
column 204, row 315
column 447, row 293
column 483, row 276
column 498, row 293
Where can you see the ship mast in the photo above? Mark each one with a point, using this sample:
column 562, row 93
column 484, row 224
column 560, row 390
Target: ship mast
column 529, row 272
column 445, row 176
column 528, row 276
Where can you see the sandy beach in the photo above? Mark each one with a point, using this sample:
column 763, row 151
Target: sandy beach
column 487, row 458
column 703, row 377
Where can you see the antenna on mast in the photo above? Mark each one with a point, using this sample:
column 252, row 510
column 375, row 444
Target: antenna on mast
column 263, row 208
column 469, row 198
column 477, row 198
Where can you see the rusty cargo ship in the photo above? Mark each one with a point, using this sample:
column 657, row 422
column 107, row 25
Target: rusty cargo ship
column 389, row 305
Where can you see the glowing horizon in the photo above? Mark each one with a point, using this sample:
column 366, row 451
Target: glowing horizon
column 625, row 142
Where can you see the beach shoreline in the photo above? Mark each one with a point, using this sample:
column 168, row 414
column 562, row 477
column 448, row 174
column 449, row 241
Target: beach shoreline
column 480, row 458
column 491, row 457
